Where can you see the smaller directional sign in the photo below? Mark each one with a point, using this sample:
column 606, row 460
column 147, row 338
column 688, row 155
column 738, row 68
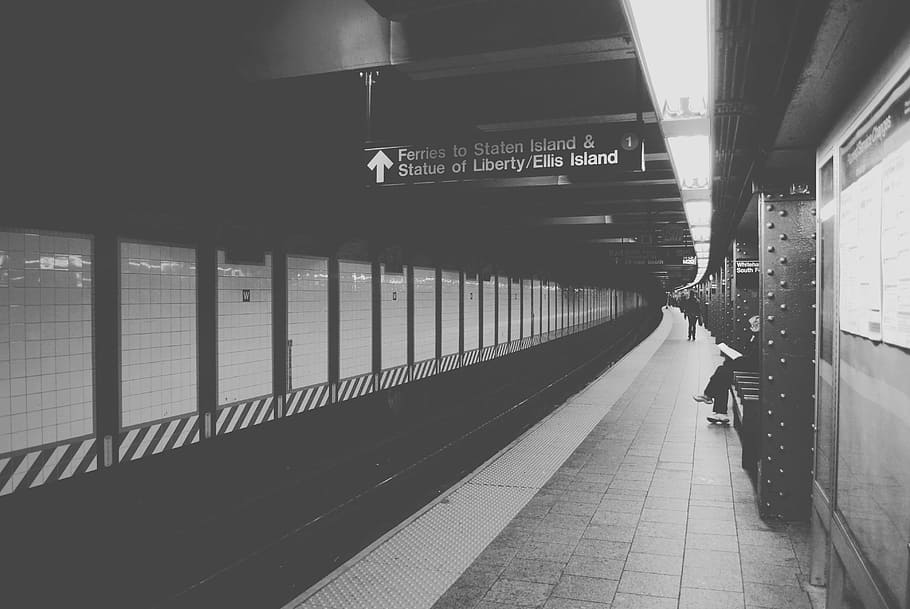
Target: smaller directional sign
column 580, row 151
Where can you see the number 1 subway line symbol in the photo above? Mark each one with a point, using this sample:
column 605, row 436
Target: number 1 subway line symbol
column 380, row 162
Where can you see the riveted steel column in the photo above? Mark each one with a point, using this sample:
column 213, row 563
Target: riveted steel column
column 787, row 243
column 729, row 309
column 745, row 289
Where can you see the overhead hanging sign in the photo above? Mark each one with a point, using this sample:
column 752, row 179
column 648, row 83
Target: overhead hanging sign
column 581, row 151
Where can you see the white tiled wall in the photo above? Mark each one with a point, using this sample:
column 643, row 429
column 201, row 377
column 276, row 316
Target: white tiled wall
column 244, row 330
column 545, row 299
column 158, row 332
column 450, row 308
column 489, row 312
column 583, row 305
column 528, row 314
column 424, row 313
column 573, row 307
column 394, row 315
column 356, row 318
column 503, row 288
column 308, row 320
column 515, row 304
column 537, row 306
column 46, row 367
column 471, row 314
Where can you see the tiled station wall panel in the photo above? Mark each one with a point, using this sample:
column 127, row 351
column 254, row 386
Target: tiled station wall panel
column 158, row 332
column 471, row 314
column 551, row 306
column 424, row 313
column 544, row 308
column 527, row 309
column 308, row 320
column 489, row 312
column 570, row 307
column 450, row 312
column 515, row 308
column 394, row 311
column 355, row 318
column 502, row 288
column 244, row 330
column 46, row 366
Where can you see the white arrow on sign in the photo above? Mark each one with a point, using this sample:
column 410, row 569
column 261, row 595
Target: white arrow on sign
column 380, row 162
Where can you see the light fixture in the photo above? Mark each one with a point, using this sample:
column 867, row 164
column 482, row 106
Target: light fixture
column 698, row 212
column 700, row 233
column 672, row 39
column 673, row 42
column 690, row 157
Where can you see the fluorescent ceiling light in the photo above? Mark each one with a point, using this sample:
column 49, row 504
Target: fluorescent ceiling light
column 690, row 158
column 700, row 233
column 673, row 41
column 698, row 213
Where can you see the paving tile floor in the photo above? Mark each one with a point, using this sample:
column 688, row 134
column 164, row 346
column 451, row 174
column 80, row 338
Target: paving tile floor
column 624, row 498
column 651, row 511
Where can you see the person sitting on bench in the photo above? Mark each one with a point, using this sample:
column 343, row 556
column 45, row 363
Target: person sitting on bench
column 717, row 390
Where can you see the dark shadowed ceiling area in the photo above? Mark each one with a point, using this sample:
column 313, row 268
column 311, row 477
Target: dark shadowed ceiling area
column 253, row 115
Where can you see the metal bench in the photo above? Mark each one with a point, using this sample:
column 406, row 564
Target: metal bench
column 746, row 395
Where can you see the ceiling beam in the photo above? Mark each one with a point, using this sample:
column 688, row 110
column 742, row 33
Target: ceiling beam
column 510, row 60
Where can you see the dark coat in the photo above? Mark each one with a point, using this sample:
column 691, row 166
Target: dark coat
column 691, row 309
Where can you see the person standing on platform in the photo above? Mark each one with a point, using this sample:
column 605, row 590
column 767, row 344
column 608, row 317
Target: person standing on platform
column 692, row 310
column 717, row 391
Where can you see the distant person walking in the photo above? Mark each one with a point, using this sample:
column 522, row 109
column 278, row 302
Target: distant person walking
column 692, row 310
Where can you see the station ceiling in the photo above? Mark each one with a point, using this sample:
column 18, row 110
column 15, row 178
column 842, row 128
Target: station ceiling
column 252, row 115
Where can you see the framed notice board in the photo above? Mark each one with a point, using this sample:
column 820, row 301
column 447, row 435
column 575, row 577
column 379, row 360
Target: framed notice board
column 874, row 239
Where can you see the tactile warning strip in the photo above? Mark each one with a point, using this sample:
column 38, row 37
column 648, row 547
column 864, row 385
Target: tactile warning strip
column 413, row 565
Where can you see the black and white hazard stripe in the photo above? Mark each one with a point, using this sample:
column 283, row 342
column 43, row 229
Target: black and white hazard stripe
column 500, row 350
column 423, row 369
column 472, row 357
column 158, row 437
column 245, row 414
column 308, row 398
column 45, row 465
column 354, row 387
column 449, row 362
column 393, row 377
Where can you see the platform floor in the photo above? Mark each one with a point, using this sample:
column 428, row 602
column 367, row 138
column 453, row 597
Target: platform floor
column 624, row 497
